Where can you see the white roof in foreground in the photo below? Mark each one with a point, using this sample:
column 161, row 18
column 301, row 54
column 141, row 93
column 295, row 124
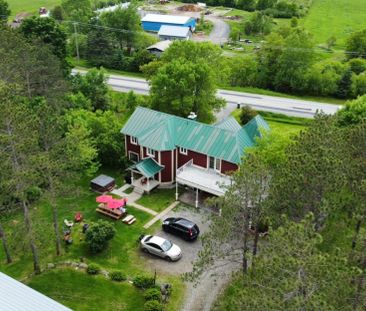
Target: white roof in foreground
column 173, row 31
column 169, row 19
column 161, row 45
column 15, row 296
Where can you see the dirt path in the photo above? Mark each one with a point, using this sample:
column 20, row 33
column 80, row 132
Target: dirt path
column 203, row 296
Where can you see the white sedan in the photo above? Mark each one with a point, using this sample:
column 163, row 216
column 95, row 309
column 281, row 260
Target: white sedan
column 160, row 247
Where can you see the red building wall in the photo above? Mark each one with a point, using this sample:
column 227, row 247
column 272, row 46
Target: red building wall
column 199, row 159
column 132, row 147
column 228, row 167
column 166, row 160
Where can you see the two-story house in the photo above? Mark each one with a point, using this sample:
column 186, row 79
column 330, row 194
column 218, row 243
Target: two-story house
column 168, row 149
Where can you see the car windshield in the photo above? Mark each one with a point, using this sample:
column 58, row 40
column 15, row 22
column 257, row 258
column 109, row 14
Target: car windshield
column 167, row 245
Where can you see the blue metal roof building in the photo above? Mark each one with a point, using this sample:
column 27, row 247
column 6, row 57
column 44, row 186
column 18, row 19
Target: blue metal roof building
column 153, row 22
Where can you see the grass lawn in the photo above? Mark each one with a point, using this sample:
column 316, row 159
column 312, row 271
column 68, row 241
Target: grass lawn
column 284, row 125
column 122, row 253
column 158, row 199
column 30, row 6
column 87, row 292
column 83, row 64
column 337, row 18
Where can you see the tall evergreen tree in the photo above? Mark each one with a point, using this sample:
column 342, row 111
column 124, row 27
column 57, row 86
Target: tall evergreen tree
column 20, row 140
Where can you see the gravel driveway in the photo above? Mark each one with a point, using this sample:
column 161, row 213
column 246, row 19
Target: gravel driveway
column 201, row 297
column 189, row 249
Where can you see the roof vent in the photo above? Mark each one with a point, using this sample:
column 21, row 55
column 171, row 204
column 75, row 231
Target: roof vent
column 192, row 116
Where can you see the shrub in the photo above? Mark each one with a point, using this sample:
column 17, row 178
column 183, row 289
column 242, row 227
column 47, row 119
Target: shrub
column 152, row 294
column 98, row 235
column 93, row 269
column 33, row 194
column 117, row 276
column 153, row 305
column 246, row 114
column 143, row 281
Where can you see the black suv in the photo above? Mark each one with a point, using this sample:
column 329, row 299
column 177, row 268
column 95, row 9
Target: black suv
column 181, row 227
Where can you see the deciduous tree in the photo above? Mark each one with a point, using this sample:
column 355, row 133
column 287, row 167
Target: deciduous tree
column 51, row 33
column 4, row 12
column 187, row 80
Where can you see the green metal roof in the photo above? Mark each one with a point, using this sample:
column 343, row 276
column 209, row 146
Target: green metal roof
column 230, row 124
column 147, row 167
column 225, row 140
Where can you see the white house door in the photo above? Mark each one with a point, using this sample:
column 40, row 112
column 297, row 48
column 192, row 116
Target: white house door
column 214, row 164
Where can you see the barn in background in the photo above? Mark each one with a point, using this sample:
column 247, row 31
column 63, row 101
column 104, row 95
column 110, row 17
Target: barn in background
column 153, row 22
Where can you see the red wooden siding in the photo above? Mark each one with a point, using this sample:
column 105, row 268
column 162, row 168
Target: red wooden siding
column 132, row 147
column 199, row 159
column 228, row 167
column 166, row 160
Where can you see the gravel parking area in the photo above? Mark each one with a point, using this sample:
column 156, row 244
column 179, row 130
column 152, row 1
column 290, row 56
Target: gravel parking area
column 189, row 249
column 203, row 295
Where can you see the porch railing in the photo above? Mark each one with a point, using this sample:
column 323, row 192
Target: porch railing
column 181, row 169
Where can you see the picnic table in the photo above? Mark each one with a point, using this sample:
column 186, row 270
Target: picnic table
column 114, row 213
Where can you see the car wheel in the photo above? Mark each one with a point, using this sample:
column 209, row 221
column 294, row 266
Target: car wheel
column 145, row 250
column 165, row 229
column 167, row 258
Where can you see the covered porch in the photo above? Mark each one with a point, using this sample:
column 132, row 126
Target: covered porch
column 143, row 175
column 201, row 179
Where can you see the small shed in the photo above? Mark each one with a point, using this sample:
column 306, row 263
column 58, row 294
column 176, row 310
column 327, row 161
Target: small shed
column 153, row 22
column 102, row 183
column 159, row 48
column 174, row 33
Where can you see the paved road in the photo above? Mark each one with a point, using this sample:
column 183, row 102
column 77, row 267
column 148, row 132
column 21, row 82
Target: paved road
column 287, row 106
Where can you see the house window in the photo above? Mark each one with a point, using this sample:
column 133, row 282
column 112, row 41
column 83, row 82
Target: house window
column 134, row 157
column 133, row 140
column 215, row 164
column 150, row 152
column 183, row 151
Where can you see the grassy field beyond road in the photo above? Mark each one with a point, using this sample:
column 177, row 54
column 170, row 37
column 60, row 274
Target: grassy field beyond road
column 338, row 18
column 30, row 6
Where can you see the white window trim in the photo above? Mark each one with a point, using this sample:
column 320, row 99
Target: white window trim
column 150, row 152
column 129, row 155
column 183, row 150
column 133, row 140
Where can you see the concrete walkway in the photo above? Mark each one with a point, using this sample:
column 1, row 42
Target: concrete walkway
column 132, row 198
column 161, row 215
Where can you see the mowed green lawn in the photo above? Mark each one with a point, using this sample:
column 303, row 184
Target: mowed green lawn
column 337, row 18
column 30, row 6
column 80, row 291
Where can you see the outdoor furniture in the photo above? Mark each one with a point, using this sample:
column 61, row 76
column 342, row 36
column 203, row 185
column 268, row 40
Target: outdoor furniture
column 113, row 213
column 103, row 198
column 102, row 183
column 85, row 227
column 130, row 219
column 78, row 217
column 68, row 224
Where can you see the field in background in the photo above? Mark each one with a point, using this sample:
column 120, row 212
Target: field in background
column 337, row 18
column 30, row 6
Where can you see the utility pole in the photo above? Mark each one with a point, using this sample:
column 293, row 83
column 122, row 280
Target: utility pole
column 76, row 42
